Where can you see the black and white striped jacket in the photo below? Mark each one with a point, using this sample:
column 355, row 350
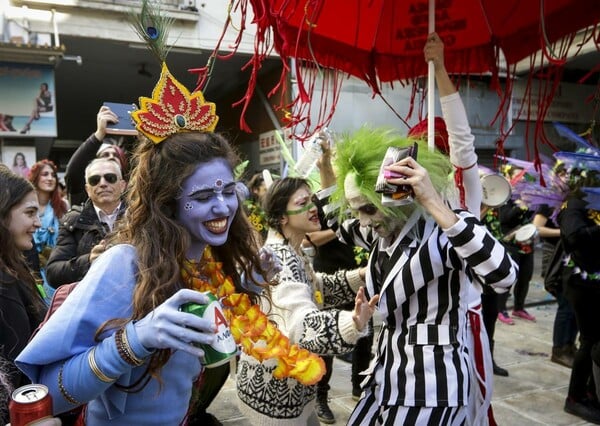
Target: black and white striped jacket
column 421, row 357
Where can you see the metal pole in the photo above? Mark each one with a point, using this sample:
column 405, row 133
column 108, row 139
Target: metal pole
column 431, row 85
column 55, row 27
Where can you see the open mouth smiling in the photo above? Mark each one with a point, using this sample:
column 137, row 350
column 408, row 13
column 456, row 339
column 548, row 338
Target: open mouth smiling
column 216, row 226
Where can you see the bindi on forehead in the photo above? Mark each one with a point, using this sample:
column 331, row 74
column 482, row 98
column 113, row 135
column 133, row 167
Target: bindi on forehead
column 217, row 187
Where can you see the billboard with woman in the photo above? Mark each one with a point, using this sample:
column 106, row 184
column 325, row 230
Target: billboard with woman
column 27, row 100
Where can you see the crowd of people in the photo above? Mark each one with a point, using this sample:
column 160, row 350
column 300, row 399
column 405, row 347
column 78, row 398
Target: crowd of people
column 299, row 270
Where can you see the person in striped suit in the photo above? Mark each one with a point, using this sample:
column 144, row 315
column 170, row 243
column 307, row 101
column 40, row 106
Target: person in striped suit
column 422, row 265
column 453, row 137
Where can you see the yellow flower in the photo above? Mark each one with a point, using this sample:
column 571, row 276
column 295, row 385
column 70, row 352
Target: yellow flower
column 250, row 327
column 318, row 297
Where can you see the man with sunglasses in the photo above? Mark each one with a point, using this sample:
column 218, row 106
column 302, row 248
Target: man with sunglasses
column 83, row 229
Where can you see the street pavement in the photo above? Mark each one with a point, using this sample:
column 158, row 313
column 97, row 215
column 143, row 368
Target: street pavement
column 533, row 394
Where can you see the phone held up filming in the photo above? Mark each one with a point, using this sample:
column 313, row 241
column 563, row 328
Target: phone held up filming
column 125, row 125
column 395, row 195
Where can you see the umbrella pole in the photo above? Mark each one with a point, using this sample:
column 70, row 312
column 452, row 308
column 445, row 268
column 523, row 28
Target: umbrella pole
column 431, row 85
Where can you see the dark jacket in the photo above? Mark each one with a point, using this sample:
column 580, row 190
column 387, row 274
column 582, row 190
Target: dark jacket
column 18, row 319
column 580, row 234
column 333, row 255
column 79, row 232
column 75, row 172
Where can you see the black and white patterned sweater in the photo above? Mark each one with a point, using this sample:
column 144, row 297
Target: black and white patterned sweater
column 296, row 308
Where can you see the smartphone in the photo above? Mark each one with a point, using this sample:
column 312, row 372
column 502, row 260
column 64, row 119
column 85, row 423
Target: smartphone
column 126, row 125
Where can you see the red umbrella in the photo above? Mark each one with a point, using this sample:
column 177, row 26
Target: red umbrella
column 382, row 40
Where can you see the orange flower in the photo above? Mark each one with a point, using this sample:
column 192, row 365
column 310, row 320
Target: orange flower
column 258, row 319
column 250, row 327
column 225, row 289
column 283, row 369
column 309, row 371
column 238, row 325
column 238, row 302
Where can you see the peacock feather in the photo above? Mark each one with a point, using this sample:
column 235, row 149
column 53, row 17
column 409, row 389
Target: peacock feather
column 153, row 27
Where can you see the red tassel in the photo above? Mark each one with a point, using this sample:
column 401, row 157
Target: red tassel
column 458, row 180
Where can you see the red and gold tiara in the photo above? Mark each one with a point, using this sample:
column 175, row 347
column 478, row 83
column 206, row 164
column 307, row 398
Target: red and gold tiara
column 173, row 109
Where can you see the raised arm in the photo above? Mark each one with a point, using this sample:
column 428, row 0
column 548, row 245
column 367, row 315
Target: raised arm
column 75, row 172
column 460, row 139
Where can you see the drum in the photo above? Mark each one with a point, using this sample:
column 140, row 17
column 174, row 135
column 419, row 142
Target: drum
column 526, row 234
column 496, row 190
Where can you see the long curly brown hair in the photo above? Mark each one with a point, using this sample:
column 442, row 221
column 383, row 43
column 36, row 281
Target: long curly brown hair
column 56, row 201
column 160, row 240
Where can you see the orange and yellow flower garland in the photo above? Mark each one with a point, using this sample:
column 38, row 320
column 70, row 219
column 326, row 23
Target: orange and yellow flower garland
column 250, row 327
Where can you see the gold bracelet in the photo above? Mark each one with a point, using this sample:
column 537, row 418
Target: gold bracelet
column 62, row 389
column 125, row 351
column 132, row 355
column 95, row 369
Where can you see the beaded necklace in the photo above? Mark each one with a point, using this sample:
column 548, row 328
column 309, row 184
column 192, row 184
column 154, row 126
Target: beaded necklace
column 252, row 330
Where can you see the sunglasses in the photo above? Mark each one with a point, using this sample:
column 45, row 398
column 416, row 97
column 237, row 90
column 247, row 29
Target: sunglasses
column 108, row 177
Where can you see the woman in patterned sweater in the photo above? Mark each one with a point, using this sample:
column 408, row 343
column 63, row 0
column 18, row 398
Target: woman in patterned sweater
column 295, row 306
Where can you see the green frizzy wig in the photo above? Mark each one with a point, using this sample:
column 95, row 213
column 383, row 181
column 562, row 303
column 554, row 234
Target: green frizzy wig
column 362, row 153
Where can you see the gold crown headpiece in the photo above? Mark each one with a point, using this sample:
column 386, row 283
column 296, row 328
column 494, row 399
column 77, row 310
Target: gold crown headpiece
column 173, row 109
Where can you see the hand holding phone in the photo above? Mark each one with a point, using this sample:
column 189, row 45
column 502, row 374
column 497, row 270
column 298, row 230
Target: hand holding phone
column 125, row 125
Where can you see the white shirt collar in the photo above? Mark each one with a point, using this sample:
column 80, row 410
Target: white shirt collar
column 109, row 219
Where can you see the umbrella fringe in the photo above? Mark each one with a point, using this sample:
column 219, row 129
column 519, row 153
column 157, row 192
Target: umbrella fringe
column 297, row 112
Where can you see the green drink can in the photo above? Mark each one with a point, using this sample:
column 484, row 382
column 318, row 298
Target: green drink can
column 224, row 346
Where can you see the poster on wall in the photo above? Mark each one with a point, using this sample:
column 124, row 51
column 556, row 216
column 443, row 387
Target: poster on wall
column 27, row 100
column 19, row 158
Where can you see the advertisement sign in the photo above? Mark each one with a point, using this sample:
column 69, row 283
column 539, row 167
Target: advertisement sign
column 27, row 100
column 269, row 148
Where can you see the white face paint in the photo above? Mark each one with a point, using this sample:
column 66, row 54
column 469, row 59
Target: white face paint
column 370, row 215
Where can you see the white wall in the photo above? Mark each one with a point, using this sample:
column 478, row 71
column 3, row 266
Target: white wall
column 108, row 20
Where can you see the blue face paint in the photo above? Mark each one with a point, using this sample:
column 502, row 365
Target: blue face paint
column 207, row 205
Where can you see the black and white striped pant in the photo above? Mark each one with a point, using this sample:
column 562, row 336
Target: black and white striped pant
column 368, row 412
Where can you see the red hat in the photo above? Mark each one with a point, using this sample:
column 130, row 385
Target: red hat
column 441, row 134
